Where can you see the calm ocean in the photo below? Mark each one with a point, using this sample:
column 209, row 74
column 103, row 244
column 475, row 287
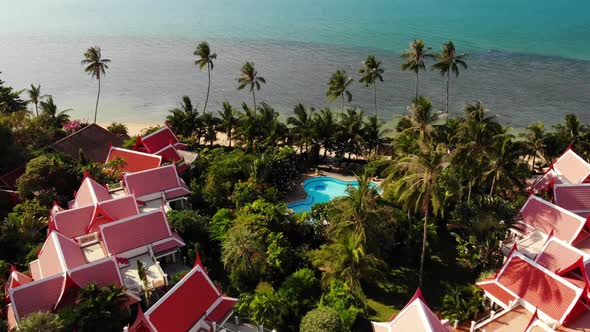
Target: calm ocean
column 529, row 60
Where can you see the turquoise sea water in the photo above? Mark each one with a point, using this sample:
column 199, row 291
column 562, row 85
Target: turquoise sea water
column 529, row 60
column 321, row 190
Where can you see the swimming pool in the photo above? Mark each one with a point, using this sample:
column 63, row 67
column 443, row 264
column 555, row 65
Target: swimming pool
column 320, row 190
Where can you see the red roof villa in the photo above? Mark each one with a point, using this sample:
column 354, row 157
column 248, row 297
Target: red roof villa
column 544, row 283
column 163, row 143
column 103, row 236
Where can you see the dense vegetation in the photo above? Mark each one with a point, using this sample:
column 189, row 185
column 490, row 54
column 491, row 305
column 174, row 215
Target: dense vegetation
column 451, row 185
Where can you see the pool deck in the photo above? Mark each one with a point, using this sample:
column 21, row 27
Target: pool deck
column 299, row 193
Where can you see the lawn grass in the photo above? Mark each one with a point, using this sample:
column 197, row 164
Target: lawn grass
column 382, row 311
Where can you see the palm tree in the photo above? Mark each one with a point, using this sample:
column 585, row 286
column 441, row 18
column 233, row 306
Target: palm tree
column 210, row 122
column 302, row 125
column 41, row 321
column 229, row 120
column 248, row 128
column 184, row 119
column 415, row 57
column 374, row 136
column 418, row 186
column 35, row 96
column 250, row 79
column 505, row 162
column 243, row 252
column 326, row 126
column 421, row 117
column 271, row 131
column 96, row 67
column 372, row 72
column 449, row 61
column 352, row 131
column 534, row 138
column 57, row 119
column 205, row 59
column 338, row 87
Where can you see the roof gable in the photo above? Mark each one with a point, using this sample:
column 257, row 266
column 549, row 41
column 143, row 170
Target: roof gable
column 559, row 257
column 186, row 303
column 135, row 161
column 69, row 250
column 40, row 295
column 102, row 273
column 159, row 139
column 572, row 167
column 548, row 218
column 135, row 231
column 73, row 222
column 90, row 193
column 152, row 181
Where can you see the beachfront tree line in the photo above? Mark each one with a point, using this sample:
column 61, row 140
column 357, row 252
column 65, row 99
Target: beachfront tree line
column 449, row 195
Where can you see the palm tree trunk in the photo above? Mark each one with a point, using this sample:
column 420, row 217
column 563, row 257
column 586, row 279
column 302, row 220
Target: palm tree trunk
column 229, row 137
column 97, row 97
column 341, row 107
column 416, row 85
column 375, row 97
column 533, row 166
column 36, row 109
column 208, row 86
column 493, row 185
column 447, row 103
column 254, row 98
column 424, row 239
column 469, row 191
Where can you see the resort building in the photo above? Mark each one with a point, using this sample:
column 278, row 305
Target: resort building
column 163, row 142
column 105, row 236
column 544, row 283
column 415, row 316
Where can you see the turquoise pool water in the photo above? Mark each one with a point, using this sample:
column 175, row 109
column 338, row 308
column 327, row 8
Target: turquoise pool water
column 320, row 190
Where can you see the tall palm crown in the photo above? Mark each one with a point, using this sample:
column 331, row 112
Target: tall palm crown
column 205, row 59
column 250, row 78
column 302, row 125
column 95, row 66
column 449, row 61
column 35, row 97
column 421, row 117
column 184, row 119
column 534, row 138
column 338, row 87
column 57, row 119
column 415, row 57
column 372, row 72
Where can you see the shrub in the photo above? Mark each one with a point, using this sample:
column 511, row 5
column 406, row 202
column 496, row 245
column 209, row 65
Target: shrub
column 118, row 129
column 41, row 321
column 322, row 319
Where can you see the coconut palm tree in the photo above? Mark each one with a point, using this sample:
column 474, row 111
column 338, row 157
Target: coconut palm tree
column 271, row 131
column 250, row 79
column 338, row 87
column 35, row 96
column 205, row 59
column 352, row 131
column 184, row 119
column 504, row 162
column 210, row 122
column 95, row 66
column 57, row 119
column 229, row 120
column 534, row 138
column 449, row 61
column 41, row 321
column 421, row 117
column 415, row 181
column 302, row 126
column 415, row 57
column 372, row 72
column 248, row 128
column 374, row 135
column 326, row 126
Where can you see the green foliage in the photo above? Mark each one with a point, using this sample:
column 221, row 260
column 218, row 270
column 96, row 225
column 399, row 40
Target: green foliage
column 49, row 178
column 220, row 223
column 10, row 100
column 462, row 302
column 322, row 319
column 41, row 321
column 22, row 231
column 118, row 128
column 340, row 298
column 189, row 224
column 224, row 171
column 13, row 154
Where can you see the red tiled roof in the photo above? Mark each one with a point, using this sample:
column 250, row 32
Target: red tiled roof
column 152, row 181
column 185, row 304
column 135, row 161
column 159, row 139
column 548, row 217
column 50, row 259
column 40, row 295
column 222, row 310
column 572, row 167
column 546, row 291
column 170, row 243
column 135, row 231
column 73, row 223
column 572, row 197
column 113, row 210
column 169, row 153
column 16, row 279
column 90, row 193
column 559, row 257
column 495, row 290
column 102, row 273
column 93, row 140
column 69, row 250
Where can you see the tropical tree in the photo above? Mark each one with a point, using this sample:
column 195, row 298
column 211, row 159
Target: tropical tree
column 534, row 139
column 271, row 131
column 250, row 78
column 247, row 130
column 41, row 321
column 373, row 134
column 35, row 96
column 243, row 252
column 338, row 87
column 326, row 126
column 415, row 57
column 184, row 119
column 101, row 309
column 421, row 117
column 210, row 122
column 416, row 182
column 449, row 61
column 56, row 118
column 371, row 73
column 229, row 120
column 462, row 302
column 205, row 60
column 505, row 165
column 302, row 126
column 351, row 134
column 95, row 66
column 322, row 319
